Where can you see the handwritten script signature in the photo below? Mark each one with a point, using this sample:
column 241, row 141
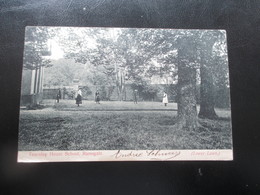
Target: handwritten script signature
column 148, row 154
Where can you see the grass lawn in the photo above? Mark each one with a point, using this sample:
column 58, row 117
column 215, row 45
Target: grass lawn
column 117, row 125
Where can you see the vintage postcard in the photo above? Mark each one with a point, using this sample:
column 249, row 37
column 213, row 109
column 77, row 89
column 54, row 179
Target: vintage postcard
column 124, row 94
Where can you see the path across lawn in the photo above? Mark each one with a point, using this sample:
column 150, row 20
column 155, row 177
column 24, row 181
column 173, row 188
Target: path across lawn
column 69, row 105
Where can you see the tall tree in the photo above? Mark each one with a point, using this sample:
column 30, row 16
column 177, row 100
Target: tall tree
column 207, row 67
column 187, row 111
column 221, row 75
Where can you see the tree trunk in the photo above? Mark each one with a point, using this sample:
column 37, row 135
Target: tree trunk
column 187, row 112
column 207, row 101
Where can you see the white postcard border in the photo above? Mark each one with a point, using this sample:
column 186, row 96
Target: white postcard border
column 125, row 155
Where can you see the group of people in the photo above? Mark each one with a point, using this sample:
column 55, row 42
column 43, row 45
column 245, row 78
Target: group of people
column 78, row 97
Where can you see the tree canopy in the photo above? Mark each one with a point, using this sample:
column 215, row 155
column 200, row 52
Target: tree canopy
column 36, row 47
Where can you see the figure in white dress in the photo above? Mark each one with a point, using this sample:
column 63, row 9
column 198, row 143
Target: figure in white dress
column 165, row 98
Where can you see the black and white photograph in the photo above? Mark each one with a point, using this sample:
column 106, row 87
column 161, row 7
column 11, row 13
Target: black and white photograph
column 112, row 94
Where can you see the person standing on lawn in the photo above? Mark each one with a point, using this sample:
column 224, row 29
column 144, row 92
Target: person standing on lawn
column 165, row 99
column 97, row 97
column 135, row 96
column 79, row 97
column 58, row 96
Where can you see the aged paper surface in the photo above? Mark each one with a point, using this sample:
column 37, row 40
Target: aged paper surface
column 124, row 94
